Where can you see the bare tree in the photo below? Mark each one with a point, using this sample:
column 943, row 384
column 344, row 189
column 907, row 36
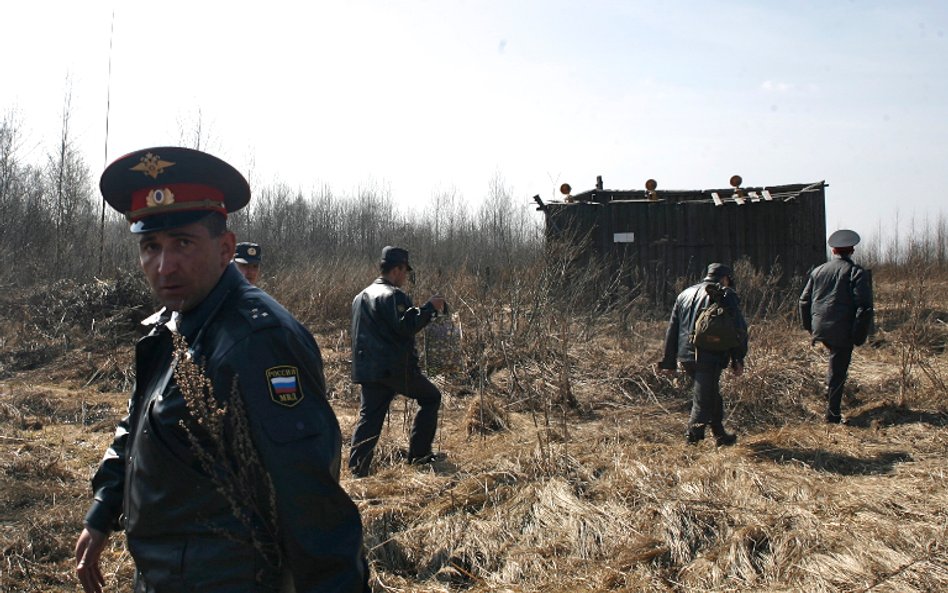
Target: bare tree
column 194, row 132
column 11, row 184
column 504, row 226
column 71, row 208
column 9, row 145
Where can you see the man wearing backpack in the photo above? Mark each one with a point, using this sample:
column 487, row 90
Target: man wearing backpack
column 836, row 308
column 713, row 306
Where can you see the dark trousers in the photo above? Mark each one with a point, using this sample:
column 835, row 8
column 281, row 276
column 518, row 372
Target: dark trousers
column 707, row 407
column 376, row 398
column 839, row 359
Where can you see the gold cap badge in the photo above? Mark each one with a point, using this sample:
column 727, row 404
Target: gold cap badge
column 152, row 165
column 159, row 197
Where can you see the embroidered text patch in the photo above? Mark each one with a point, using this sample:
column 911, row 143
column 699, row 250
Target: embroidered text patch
column 284, row 382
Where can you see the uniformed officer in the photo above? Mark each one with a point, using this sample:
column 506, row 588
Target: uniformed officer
column 247, row 257
column 182, row 529
column 385, row 362
column 836, row 308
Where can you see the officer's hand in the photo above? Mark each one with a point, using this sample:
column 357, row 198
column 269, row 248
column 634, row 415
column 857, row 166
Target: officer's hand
column 737, row 369
column 437, row 301
column 88, row 549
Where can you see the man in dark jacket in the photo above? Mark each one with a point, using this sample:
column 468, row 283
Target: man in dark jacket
column 703, row 365
column 385, row 362
column 836, row 308
column 203, row 512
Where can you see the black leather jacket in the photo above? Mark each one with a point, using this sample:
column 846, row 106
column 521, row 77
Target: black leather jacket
column 384, row 324
column 181, row 529
column 836, row 304
column 681, row 325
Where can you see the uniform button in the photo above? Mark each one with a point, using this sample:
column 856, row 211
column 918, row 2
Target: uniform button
column 299, row 426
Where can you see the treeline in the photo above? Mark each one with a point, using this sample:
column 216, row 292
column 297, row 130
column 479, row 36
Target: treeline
column 921, row 244
column 54, row 226
column 47, row 209
column 298, row 228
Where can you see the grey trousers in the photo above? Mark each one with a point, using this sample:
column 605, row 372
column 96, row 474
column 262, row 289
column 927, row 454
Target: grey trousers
column 839, row 359
column 707, row 406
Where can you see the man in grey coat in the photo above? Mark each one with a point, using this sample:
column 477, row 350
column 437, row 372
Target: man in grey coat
column 385, row 362
column 836, row 308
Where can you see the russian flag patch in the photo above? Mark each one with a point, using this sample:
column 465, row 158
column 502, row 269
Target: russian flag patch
column 284, row 382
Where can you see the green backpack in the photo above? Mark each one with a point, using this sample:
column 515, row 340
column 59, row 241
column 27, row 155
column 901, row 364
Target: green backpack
column 716, row 329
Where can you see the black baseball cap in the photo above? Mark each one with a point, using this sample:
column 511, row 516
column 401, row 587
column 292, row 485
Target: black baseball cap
column 717, row 271
column 394, row 256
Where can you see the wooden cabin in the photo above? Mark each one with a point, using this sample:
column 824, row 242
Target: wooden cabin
column 676, row 233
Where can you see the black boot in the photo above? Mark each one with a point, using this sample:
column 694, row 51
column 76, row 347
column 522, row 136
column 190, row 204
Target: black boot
column 722, row 438
column 834, row 401
column 695, row 434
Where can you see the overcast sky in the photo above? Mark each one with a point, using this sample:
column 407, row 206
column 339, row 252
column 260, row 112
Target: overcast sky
column 424, row 97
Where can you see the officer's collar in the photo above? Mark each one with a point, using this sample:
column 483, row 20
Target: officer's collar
column 190, row 323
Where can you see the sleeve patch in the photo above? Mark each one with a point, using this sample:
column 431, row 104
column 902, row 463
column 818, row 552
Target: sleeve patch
column 284, row 384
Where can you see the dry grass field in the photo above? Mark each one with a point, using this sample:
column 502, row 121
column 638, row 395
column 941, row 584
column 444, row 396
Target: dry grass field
column 565, row 468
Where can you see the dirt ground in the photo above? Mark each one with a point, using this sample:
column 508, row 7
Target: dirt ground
column 575, row 480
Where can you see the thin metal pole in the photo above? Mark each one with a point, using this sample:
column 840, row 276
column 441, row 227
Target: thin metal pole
column 108, row 102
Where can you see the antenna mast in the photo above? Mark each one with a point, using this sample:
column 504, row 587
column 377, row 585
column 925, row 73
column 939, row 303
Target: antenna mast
column 108, row 101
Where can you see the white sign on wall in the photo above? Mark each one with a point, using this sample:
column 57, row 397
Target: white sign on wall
column 623, row 237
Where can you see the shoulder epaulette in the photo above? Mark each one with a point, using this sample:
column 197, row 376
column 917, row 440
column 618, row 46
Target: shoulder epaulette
column 258, row 313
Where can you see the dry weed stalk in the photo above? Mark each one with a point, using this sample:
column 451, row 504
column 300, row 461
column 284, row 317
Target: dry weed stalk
column 221, row 440
column 765, row 294
column 523, row 331
column 918, row 337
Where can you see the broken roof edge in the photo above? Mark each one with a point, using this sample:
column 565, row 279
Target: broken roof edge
column 786, row 191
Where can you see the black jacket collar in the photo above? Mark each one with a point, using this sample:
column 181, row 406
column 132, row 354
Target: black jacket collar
column 190, row 323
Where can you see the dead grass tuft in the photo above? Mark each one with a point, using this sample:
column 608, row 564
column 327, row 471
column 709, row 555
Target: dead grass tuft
column 566, row 467
column 485, row 415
